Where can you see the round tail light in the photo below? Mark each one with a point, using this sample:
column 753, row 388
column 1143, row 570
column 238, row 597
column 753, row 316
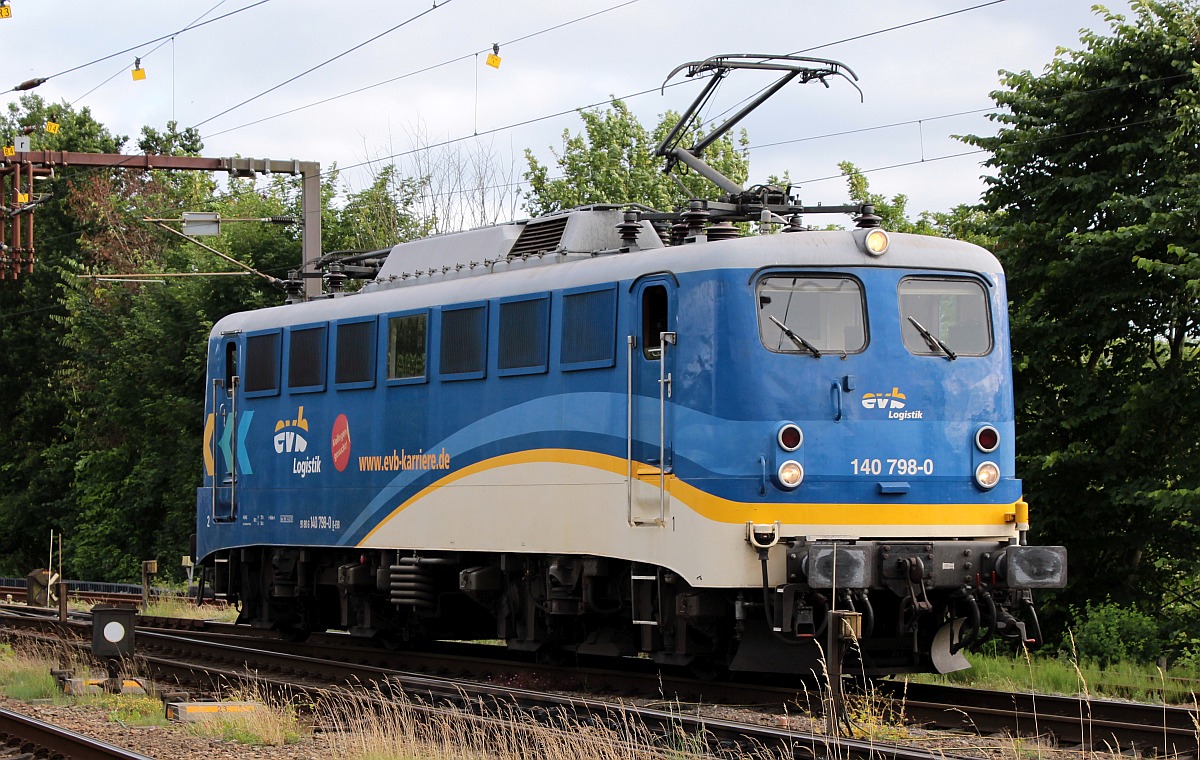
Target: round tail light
column 790, row 437
column 987, row 439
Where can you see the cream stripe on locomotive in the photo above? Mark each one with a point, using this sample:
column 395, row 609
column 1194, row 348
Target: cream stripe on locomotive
column 570, row 501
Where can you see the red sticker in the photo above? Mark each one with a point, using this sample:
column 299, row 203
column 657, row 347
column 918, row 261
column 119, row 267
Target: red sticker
column 341, row 442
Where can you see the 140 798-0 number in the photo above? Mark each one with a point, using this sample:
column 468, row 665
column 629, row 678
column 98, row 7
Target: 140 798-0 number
column 892, row 466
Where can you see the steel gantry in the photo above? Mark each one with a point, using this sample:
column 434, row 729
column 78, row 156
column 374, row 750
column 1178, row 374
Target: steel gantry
column 19, row 169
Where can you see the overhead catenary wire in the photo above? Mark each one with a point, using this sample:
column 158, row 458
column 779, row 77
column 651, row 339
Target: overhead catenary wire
column 862, row 36
column 475, row 134
column 147, row 42
column 326, row 62
column 416, row 72
column 515, row 40
column 891, row 125
column 150, row 52
column 637, row 94
column 1125, row 125
column 977, row 151
column 514, row 125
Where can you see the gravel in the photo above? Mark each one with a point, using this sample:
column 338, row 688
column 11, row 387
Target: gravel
column 174, row 741
column 171, row 742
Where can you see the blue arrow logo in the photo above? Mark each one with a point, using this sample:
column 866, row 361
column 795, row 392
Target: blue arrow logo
column 243, row 459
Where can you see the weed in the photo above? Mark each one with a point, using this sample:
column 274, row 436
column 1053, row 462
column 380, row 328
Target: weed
column 1066, row 673
column 127, row 709
column 275, row 722
column 25, row 671
column 384, row 727
column 182, row 607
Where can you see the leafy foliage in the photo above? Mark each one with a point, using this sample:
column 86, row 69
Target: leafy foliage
column 1096, row 186
column 380, row 215
column 1109, row 633
column 963, row 222
column 106, row 379
column 613, row 161
column 38, row 466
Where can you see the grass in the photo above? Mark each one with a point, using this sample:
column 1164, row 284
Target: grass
column 1067, row 675
column 390, row 728
column 28, row 685
column 25, row 672
column 128, row 709
column 182, row 607
column 275, row 724
column 25, row 676
column 393, row 728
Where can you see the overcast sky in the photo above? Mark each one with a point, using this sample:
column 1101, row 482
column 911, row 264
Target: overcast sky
column 915, row 78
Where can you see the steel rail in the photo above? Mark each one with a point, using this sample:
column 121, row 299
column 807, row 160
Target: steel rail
column 44, row 739
column 1165, row 730
column 470, row 695
column 1090, row 722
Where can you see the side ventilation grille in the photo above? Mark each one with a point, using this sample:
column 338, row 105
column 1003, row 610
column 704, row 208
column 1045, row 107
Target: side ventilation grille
column 539, row 237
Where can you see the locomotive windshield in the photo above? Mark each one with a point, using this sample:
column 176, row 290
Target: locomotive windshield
column 953, row 313
column 811, row 314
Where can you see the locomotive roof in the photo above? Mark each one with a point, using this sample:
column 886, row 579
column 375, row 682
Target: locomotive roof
column 578, row 231
column 488, row 263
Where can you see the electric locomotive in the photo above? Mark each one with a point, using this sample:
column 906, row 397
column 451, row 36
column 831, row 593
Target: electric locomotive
column 616, row 431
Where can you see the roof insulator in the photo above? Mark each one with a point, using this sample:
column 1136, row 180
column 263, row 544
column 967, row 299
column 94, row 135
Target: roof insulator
column 629, row 229
column 867, row 218
column 695, row 217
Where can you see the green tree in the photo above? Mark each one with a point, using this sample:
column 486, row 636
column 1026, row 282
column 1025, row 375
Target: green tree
column 613, row 161
column 105, row 380
column 380, row 215
column 893, row 213
column 133, row 373
column 1096, row 191
column 37, row 469
column 963, row 222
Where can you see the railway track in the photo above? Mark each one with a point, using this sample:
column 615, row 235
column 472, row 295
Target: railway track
column 717, row 736
column 334, row 658
column 1093, row 723
column 93, row 592
column 25, row 737
column 1098, row 724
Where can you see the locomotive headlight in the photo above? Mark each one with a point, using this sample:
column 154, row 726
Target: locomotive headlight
column 876, row 242
column 791, row 474
column 987, row 475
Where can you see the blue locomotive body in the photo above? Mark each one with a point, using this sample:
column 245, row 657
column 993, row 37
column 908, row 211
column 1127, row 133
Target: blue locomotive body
column 565, row 433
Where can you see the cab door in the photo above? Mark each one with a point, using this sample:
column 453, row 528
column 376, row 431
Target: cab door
column 220, row 429
column 651, row 343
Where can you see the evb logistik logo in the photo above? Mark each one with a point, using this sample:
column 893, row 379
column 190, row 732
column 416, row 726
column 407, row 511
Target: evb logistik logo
column 291, row 438
column 893, row 401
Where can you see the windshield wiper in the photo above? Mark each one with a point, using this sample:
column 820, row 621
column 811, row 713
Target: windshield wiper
column 933, row 340
column 799, row 341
